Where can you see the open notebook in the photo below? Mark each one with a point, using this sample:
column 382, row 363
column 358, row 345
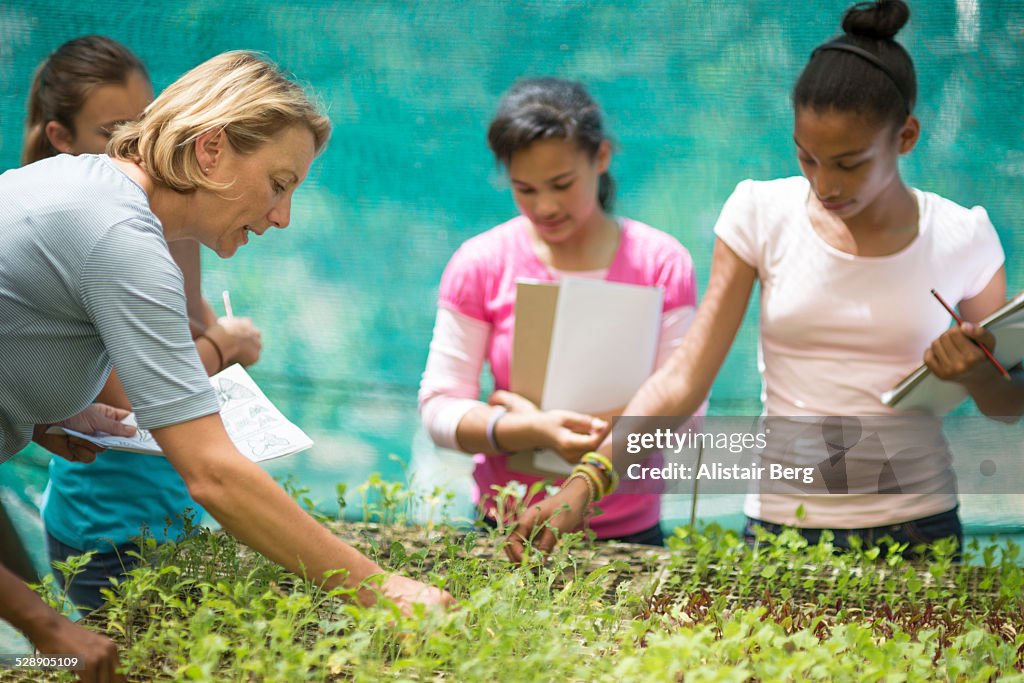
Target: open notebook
column 255, row 425
column 923, row 391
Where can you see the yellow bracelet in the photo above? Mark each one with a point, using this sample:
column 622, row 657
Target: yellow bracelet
column 595, row 458
column 603, row 465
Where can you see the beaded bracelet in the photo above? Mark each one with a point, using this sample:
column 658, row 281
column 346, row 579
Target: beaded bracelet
column 594, row 474
column 492, row 424
column 589, row 481
column 598, row 460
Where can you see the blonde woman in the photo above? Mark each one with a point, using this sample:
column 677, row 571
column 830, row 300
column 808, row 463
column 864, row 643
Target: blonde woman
column 87, row 284
column 80, row 94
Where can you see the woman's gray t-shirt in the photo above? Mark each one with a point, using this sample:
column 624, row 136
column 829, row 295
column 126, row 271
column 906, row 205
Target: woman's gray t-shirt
column 86, row 282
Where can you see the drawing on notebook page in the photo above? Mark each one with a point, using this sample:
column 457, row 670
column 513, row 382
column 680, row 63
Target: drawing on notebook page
column 229, row 392
column 262, row 444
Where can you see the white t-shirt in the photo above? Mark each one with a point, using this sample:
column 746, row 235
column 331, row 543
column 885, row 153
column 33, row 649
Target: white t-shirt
column 837, row 330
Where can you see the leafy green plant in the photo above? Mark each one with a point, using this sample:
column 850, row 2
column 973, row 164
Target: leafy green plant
column 57, row 594
column 706, row 608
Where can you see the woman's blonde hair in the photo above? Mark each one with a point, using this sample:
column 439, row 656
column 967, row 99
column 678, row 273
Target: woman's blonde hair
column 241, row 93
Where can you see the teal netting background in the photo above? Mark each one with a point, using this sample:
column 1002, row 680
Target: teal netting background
column 696, row 96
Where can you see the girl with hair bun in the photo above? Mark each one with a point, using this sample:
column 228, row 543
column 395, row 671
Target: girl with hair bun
column 549, row 136
column 846, row 256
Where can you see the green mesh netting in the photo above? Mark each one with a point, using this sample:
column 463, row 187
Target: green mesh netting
column 696, row 97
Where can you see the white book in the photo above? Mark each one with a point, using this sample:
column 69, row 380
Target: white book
column 923, row 391
column 604, row 342
column 255, row 425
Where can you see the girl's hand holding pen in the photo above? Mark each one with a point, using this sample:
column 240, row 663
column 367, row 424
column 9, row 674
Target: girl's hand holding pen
column 957, row 357
column 237, row 339
column 972, row 334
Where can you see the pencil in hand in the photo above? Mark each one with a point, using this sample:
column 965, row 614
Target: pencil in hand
column 959, row 321
column 226, row 296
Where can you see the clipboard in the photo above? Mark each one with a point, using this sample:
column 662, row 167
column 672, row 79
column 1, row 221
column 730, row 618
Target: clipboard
column 924, row 392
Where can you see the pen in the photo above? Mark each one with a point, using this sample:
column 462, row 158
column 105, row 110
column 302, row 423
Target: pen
column 226, row 296
column 988, row 353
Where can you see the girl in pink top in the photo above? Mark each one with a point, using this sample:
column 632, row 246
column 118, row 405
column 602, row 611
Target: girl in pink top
column 549, row 136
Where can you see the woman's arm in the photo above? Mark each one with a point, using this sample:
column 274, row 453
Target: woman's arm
column 228, row 341
column 955, row 356
column 680, row 386
column 569, row 433
column 250, row 505
column 54, row 634
column 219, row 343
column 677, row 388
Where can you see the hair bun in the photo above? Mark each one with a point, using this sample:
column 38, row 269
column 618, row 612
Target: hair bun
column 881, row 20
